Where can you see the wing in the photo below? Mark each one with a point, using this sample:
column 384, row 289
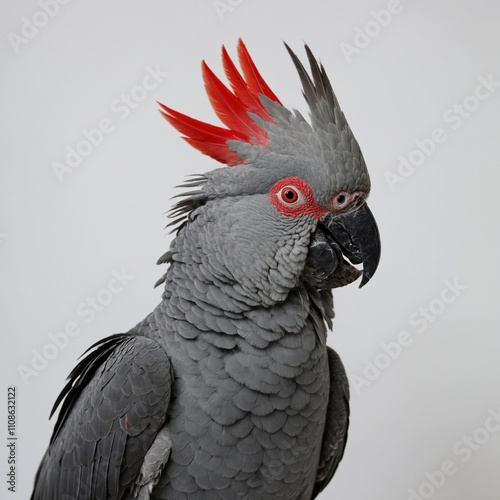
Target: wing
column 337, row 423
column 107, row 437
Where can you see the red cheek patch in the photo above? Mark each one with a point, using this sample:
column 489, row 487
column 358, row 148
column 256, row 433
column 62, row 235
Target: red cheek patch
column 306, row 203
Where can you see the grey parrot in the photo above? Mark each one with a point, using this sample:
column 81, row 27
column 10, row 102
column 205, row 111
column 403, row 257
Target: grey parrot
column 228, row 389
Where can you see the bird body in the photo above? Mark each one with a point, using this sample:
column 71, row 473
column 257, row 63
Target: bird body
column 228, row 389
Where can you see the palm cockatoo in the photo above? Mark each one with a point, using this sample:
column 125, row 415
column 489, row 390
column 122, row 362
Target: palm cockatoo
column 228, row 389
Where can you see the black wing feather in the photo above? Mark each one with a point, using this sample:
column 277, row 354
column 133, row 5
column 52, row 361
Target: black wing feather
column 80, row 376
column 113, row 406
column 337, row 423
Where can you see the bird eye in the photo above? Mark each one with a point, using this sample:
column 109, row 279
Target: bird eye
column 293, row 197
column 341, row 199
column 289, row 194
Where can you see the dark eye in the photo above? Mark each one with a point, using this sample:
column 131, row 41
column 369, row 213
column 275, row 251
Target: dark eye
column 289, row 194
column 341, row 199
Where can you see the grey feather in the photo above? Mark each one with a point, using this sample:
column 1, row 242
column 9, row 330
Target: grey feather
column 102, row 433
column 337, row 423
column 227, row 389
column 152, row 465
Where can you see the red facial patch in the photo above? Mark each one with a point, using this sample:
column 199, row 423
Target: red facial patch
column 294, row 197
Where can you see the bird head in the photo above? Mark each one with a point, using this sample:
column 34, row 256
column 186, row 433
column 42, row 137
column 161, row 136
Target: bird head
column 292, row 206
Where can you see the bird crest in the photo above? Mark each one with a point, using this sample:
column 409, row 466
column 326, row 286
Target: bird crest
column 233, row 106
column 256, row 122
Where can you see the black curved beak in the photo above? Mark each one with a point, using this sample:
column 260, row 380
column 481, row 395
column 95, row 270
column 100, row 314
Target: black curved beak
column 357, row 235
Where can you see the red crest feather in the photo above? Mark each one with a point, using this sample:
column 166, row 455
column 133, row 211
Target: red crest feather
column 232, row 108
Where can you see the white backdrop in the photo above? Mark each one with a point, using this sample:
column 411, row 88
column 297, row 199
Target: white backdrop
column 419, row 82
